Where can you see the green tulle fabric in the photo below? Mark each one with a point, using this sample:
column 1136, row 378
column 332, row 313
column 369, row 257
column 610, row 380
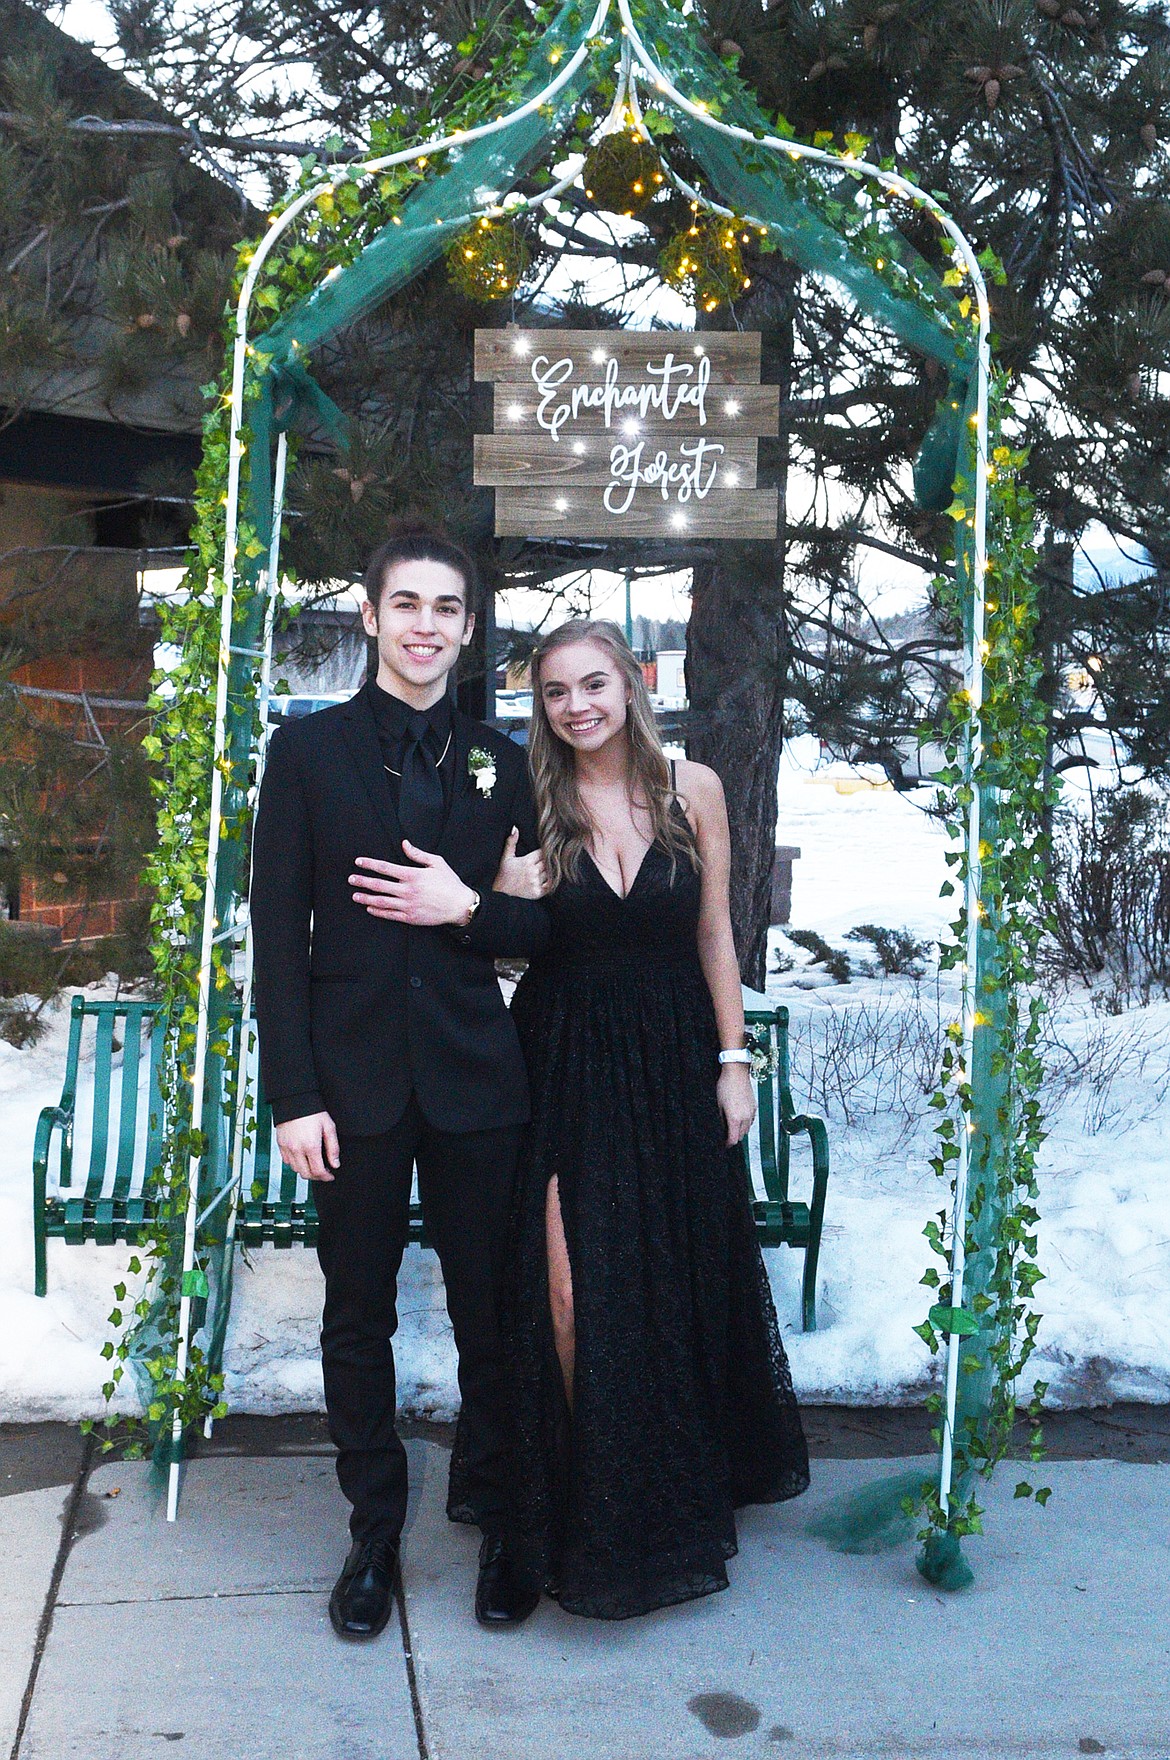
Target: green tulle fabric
column 875, row 1518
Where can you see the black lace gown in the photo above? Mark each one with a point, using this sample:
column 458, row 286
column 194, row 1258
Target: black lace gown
column 683, row 1400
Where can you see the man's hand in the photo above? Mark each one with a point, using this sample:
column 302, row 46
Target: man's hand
column 520, row 876
column 309, row 1145
column 427, row 895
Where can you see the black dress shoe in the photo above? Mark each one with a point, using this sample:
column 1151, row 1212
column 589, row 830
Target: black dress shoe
column 504, row 1595
column 364, row 1592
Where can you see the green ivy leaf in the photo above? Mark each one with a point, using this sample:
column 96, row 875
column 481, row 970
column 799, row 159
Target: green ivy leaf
column 954, row 1320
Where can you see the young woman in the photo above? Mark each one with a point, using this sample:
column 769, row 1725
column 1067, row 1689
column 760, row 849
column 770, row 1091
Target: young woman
column 653, row 1393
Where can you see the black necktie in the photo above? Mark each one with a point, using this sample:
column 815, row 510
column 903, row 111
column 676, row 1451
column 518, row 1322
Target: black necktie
column 420, row 800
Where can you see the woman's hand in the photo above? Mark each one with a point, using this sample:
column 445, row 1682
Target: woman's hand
column 521, row 876
column 736, row 1094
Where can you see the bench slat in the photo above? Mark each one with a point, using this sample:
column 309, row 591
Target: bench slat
column 100, row 1132
column 154, row 1105
column 128, row 1109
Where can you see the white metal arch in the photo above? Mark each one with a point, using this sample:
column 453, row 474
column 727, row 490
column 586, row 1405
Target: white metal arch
column 635, row 50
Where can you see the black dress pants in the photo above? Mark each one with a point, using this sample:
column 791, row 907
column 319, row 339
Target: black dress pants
column 465, row 1184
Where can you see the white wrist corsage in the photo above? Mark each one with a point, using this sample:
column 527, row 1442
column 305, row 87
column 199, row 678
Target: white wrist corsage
column 761, row 1053
column 482, row 766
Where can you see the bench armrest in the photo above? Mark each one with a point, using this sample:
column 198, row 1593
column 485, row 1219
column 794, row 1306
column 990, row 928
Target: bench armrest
column 52, row 1118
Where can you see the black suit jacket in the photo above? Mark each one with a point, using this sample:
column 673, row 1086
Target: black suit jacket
column 353, row 1013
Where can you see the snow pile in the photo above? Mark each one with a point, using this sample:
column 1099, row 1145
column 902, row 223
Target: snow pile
column 862, row 1059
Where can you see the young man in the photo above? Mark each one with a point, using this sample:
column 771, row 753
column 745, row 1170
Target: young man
column 385, row 1042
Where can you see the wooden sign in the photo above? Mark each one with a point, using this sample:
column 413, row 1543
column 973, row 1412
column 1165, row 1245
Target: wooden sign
column 647, row 434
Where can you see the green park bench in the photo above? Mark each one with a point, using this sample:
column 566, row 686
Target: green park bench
column 94, row 1150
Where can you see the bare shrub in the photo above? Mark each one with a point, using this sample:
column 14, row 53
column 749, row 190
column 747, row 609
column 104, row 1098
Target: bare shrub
column 1111, row 911
column 1092, row 1063
column 878, row 1056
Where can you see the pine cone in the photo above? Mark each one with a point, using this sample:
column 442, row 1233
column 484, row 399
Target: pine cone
column 1050, row 8
column 145, row 321
column 1134, row 385
column 183, row 323
column 979, row 74
column 1156, row 278
column 1149, row 135
column 991, row 93
column 869, row 38
column 1075, row 20
column 357, row 485
column 729, row 46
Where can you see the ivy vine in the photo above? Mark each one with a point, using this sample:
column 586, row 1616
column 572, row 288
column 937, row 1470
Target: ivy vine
column 996, row 1323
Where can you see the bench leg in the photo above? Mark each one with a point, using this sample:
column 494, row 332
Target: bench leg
column 816, row 1217
column 808, row 1286
column 40, row 1241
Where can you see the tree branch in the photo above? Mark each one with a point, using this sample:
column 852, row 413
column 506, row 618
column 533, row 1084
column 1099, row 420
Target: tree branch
column 178, row 131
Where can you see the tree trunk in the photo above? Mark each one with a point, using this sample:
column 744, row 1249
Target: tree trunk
column 1056, row 594
column 736, row 671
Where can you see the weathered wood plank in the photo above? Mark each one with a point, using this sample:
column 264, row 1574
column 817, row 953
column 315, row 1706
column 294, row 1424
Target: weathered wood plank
column 580, row 512
column 505, row 460
column 507, row 355
column 733, row 410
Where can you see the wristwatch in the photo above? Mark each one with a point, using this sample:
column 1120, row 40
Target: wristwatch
column 740, row 1056
column 475, row 904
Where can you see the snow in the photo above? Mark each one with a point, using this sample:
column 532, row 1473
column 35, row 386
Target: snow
column 862, row 1059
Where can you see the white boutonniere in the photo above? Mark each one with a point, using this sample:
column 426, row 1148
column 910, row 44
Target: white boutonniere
column 482, row 766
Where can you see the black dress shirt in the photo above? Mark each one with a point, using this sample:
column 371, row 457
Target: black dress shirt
column 392, row 718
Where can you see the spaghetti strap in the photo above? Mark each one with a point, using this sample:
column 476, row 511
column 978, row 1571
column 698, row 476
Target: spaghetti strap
column 673, row 780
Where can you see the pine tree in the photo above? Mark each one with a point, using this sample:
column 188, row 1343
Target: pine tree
column 1042, row 121
column 1045, row 126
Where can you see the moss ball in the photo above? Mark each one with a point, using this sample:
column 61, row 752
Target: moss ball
column 488, row 261
column 706, row 257
column 622, row 174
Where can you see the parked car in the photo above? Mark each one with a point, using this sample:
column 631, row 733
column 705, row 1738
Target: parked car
column 296, row 704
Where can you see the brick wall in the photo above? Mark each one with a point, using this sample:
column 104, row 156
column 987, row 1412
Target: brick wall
column 107, row 662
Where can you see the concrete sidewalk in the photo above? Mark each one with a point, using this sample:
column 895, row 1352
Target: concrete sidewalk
column 210, row 1638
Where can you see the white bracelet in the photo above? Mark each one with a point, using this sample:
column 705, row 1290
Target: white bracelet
column 735, row 1056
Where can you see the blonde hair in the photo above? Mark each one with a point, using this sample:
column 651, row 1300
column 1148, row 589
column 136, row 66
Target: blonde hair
column 566, row 829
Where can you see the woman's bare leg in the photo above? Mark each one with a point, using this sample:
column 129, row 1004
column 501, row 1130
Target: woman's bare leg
column 560, row 1288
